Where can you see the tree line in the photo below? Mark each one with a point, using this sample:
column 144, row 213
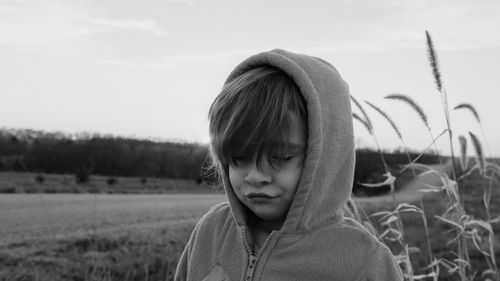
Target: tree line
column 86, row 154
column 45, row 152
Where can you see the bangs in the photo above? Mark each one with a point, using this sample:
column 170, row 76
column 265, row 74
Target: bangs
column 264, row 143
column 252, row 116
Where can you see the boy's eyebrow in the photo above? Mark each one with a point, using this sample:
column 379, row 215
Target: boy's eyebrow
column 297, row 147
column 293, row 147
column 277, row 146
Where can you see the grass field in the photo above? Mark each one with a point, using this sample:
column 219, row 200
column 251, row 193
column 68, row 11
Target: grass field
column 27, row 217
column 96, row 236
column 140, row 237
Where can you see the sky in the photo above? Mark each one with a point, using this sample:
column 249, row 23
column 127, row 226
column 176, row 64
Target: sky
column 151, row 69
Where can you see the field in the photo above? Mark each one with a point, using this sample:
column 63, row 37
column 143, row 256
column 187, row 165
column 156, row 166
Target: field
column 140, row 236
column 28, row 217
column 96, row 236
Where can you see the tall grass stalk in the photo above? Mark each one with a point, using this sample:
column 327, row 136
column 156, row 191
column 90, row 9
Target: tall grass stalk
column 400, row 136
column 442, row 91
column 482, row 165
column 474, row 112
column 462, row 224
column 367, row 123
column 394, row 127
column 462, row 243
column 397, row 232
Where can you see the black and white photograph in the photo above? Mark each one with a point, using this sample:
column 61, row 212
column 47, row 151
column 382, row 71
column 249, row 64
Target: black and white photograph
column 238, row 140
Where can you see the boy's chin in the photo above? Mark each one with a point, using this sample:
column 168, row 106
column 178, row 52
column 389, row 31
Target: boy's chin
column 269, row 217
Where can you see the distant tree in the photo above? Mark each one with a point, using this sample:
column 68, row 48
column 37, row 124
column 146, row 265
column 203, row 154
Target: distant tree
column 39, row 178
column 83, row 174
column 111, row 181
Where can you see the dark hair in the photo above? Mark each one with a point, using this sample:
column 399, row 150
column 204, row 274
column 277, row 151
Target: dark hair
column 251, row 115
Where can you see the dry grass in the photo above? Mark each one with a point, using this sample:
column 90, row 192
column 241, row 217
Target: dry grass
column 457, row 238
column 142, row 254
column 130, row 237
column 440, row 233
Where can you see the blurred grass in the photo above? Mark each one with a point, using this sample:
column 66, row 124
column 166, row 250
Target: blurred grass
column 142, row 254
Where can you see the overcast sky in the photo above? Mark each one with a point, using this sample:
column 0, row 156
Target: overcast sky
column 152, row 68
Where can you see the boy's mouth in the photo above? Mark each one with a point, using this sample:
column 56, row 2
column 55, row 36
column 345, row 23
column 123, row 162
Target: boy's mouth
column 259, row 195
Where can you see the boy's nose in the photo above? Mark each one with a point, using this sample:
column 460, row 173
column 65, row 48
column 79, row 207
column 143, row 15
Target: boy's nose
column 258, row 177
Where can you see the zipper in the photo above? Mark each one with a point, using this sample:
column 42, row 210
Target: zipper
column 253, row 258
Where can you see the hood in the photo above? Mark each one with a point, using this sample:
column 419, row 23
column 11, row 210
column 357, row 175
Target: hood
column 327, row 176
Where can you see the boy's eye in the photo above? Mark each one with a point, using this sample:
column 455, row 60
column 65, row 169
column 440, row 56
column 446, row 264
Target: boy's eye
column 281, row 158
column 241, row 159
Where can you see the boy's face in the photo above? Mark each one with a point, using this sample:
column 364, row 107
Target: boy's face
column 269, row 192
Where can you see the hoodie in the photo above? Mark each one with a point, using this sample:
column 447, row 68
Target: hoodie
column 316, row 241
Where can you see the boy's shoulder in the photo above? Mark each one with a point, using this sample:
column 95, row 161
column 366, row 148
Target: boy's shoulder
column 354, row 226
column 356, row 231
column 348, row 235
column 378, row 260
column 218, row 211
column 353, row 251
column 216, row 218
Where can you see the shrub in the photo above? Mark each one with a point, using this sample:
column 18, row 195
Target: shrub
column 82, row 175
column 40, row 178
column 9, row 189
column 198, row 180
column 111, row 181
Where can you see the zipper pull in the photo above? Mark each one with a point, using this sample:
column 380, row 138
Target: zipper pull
column 251, row 267
column 252, row 261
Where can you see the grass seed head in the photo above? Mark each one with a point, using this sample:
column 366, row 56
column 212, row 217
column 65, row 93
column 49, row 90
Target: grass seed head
column 463, row 152
column 412, row 104
column 469, row 107
column 479, row 152
column 386, row 116
column 363, row 121
column 433, row 61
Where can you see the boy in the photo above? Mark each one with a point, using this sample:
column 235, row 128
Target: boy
column 282, row 143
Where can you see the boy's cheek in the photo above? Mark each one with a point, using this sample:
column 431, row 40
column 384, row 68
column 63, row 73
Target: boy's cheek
column 236, row 180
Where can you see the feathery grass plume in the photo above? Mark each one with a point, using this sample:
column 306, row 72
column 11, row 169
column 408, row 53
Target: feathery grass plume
column 463, row 152
column 396, row 129
column 479, row 152
column 362, row 121
column 433, row 60
column 471, row 108
column 412, row 104
column 366, row 118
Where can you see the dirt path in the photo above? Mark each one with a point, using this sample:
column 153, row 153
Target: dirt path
column 408, row 193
